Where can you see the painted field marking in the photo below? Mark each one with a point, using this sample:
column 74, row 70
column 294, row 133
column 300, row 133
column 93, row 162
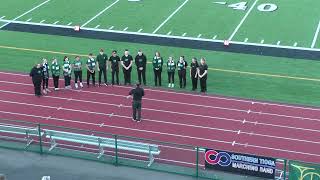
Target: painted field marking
column 2, row 17
column 111, row 27
column 56, row 22
column 69, row 23
column 169, row 33
column 97, row 26
column 295, row 44
column 278, row 43
column 42, row 21
column 36, row 7
column 166, row 36
column 242, row 21
column 94, row 17
column 139, row 30
column 125, row 28
column 199, row 36
column 214, row 37
column 184, row 34
column 29, row 19
column 245, row 40
column 169, row 17
column 262, row 41
column 315, row 37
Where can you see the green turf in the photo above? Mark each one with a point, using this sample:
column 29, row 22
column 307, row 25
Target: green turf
column 13, row 8
column 224, row 83
column 291, row 22
column 67, row 11
column 135, row 15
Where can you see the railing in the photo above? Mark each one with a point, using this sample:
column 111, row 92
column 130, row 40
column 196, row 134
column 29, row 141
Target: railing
column 114, row 149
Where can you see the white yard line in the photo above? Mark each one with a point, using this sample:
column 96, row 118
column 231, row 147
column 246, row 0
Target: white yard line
column 42, row 21
column 125, row 28
column 169, row 17
column 140, row 30
column 215, row 37
column 27, row 12
column 315, row 37
column 165, row 36
column 56, row 22
column 262, row 41
column 199, row 36
column 94, row 17
column 278, row 43
column 69, row 23
column 97, row 26
column 242, row 21
column 295, row 44
column 2, row 17
column 169, row 33
column 184, row 34
column 29, row 20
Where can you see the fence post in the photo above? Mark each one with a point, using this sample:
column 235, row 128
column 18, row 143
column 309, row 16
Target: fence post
column 285, row 169
column 40, row 139
column 116, row 148
column 197, row 163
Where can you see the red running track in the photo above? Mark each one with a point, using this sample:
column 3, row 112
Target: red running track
column 239, row 125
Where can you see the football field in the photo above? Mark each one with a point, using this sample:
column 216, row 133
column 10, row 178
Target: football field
column 265, row 22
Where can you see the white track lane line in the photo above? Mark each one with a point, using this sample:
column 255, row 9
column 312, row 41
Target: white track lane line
column 36, row 7
column 169, row 17
column 180, row 103
column 189, row 137
column 242, row 20
column 171, row 123
column 315, row 37
column 201, row 96
column 101, row 12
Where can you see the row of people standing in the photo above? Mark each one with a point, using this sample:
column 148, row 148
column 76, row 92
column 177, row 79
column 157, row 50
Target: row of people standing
column 102, row 63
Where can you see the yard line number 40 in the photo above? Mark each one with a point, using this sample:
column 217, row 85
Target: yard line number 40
column 265, row 7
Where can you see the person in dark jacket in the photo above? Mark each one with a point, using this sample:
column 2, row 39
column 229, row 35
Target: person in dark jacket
column 141, row 61
column 37, row 75
column 203, row 74
column 114, row 64
column 194, row 73
column 102, row 66
column 137, row 94
column 157, row 68
column 171, row 68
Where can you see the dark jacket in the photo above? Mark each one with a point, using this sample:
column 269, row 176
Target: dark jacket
column 137, row 93
column 36, row 74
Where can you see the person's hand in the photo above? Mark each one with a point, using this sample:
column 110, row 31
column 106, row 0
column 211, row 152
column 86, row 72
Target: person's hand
column 128, row 96
column 140, row 68
column 98, row 69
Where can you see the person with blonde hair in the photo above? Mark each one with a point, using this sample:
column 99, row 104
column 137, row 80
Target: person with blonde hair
column 55, row 71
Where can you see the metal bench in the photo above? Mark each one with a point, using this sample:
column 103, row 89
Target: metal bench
column 102, row 143
column 29, row 132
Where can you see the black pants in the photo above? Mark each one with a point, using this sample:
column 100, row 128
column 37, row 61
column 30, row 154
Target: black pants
column 136, row 110
column 157, row 77
column 103, row 71
column 67, row 80
column 93, row 75
column 182, row 78
column 203, row 84
column 127, row 76
column 55, row 81
column 45, row 83
column 194, row 81
column 37, row 87
column 171, row 77
column 115, row 73
column 142, row 73
column 77, row 75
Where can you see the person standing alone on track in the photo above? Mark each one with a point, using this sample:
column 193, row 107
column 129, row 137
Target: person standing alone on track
column 115, row 60
column 203, row 73
column 182, row 68
column 77, row 69
column 45, row 76
column 55, row 71
column 126, row 62
column 194, row 73
column 67, row 72
column 36, row 74
column 137, row 94
column 141, row 62
column 102, row 61
column 91, row 70
column 157, row 68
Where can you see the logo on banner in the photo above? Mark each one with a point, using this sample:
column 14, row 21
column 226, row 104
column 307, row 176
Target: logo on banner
column 222, row 158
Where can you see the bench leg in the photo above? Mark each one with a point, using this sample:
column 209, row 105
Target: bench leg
column 53, row 144
column 101, row 152
column 29, row 141
column 151, row 159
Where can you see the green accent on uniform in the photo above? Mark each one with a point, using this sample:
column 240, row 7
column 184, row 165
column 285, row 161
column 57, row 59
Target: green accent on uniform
column 171, row 66
column 66, row 68
column 101, row 59
column 180, row 66
column 77, row 65
column 91, row 64
column 55, row 69
column 157, row 62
